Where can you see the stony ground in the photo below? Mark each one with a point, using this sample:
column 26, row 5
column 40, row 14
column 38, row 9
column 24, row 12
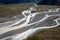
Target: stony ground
column 15, row 9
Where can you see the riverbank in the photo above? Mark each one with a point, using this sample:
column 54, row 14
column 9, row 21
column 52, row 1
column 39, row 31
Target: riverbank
column 16, row 9
column 46, row 34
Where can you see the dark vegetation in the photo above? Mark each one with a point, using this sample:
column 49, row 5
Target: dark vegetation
column 41, row 2
column 17, row 1
column 49, row 2
column 47, row 34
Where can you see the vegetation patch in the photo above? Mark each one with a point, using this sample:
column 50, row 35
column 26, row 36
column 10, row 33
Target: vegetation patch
column 46, row 34
column 16, row 9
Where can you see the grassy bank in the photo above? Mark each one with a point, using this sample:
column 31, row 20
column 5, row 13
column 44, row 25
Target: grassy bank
column 12, row 9
column 47, row 34
column 16, row 9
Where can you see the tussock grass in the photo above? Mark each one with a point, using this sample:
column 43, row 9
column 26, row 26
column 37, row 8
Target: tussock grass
column 16, row 9
column 46, row 34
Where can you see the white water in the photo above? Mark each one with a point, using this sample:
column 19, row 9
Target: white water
column 30, row 31
column 25, row 34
